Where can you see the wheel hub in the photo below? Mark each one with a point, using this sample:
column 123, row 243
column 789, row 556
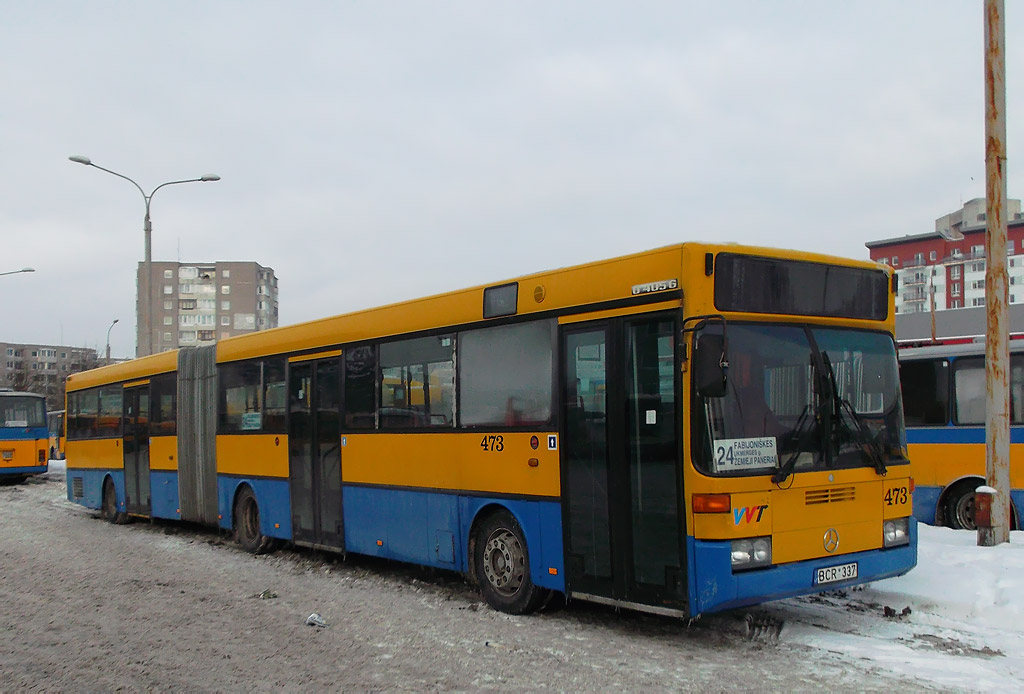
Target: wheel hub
column 504, row 562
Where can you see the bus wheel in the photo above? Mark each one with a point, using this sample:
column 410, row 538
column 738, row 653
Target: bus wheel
column 503, row 566
column 109, row 508
column 247, row 524
column 960, row 507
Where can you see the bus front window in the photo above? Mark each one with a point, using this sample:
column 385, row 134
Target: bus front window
column 802, row 398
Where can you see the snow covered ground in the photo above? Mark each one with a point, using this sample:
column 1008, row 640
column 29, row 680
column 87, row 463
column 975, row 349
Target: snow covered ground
column 964, row 629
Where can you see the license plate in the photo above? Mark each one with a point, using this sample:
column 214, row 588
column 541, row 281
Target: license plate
column 8, row 455
column 833, row 574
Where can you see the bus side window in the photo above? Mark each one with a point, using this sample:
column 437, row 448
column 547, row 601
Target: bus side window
column 969, row 386
column 925, row 386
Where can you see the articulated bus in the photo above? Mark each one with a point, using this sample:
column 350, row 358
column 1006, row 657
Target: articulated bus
column 944, row 399
column 55, row 425
column 23, row 435
column 680, row 431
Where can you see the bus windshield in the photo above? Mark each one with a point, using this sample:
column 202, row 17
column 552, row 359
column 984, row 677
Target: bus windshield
column 801, row 398
column 22, row 411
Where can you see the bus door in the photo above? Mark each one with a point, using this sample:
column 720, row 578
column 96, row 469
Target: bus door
column 314, row 453
column 136, row 449
column 621, row 472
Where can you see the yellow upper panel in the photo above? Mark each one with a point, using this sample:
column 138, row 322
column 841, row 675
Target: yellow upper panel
column 582, row 285
column 135, row 369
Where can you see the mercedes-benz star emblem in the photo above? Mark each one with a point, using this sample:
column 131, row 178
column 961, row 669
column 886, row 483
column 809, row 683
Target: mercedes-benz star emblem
column 831, row 540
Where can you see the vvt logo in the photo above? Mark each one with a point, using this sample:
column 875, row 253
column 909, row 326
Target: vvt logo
column 747, row 514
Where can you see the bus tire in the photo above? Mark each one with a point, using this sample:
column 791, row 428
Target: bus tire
column 960, row 506
column 247, row 524
column 502, row 565
column 109, row 507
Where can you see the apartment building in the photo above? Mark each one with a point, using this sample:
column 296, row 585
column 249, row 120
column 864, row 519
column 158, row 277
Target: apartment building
column 43, row 368
column 200, row 303
column 945, row 269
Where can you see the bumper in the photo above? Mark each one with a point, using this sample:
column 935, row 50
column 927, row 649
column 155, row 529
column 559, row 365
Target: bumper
column 32, row 470
column 715, row 587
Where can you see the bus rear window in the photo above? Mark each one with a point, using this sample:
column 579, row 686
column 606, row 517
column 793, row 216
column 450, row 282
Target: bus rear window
column 791, row 287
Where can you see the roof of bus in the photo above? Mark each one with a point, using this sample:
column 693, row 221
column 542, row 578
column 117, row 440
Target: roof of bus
column 143, row 367
column 19, row 393
column 589, row 283
column 596, row 282
column 962, row 349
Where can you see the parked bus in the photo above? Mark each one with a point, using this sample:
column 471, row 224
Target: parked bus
column 684, row 430
column 23, row 435
column 944, row 399
column 55, row 425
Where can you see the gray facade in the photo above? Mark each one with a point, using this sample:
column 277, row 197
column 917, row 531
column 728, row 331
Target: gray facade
column 43, row 368
column 197, row 304
column 964, row 322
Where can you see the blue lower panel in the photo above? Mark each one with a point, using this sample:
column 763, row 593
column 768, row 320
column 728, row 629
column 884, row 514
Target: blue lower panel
column 272, row 498
column 92, row 486
column 163, row 494
column 432, row 528
column 926, row 502
column 33, row 470
column 716, row 587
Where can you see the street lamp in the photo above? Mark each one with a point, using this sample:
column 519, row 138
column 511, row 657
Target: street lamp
column 147, row 227
column 15, row 272
column 108, row 339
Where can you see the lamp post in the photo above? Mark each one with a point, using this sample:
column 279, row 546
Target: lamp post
column 108, row 339
column 146, row 346
column 15, row 272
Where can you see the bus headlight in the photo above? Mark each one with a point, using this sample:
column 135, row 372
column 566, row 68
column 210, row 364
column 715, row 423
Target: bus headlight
column 896, row 532
column 751, row 553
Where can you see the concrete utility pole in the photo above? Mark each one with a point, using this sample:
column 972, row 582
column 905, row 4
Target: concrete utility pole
column 997, row 343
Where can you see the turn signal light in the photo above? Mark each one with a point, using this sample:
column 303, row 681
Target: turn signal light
column 911, row 485
column 712, row 503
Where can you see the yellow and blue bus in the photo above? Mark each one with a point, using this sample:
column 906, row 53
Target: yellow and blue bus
column 683, row 430
column 944, row 398
column 23, row 435
column 55, row 425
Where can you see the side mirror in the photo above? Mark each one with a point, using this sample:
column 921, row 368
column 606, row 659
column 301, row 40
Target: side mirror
column 710, row 365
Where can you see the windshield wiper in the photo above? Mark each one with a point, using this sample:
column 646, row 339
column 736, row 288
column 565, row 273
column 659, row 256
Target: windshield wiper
column 800, row 432
column 860, row 433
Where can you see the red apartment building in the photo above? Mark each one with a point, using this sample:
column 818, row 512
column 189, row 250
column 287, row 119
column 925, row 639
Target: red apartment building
column 949, row 263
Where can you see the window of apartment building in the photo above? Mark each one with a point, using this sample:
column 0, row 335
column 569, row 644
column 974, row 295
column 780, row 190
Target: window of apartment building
column 931, row 256
column 63, row 355
column 10, row 352
column 167, row 337
column 954, row 289
column 188, row 273
column 261, row 305
column 978, row 284
column 225, row 289
column 978, row 267
column 225, row 320
column 168, row 274
column 187, row 288
column 957, row 253
column 978, row 250
column 186, row 336
column 168, row 320
column 186, row 320
column 895, row 261
column 225, row 274
column 954, row 272
column 168, row 289
column 225, row 306
column 187, row 304
column 1009, row 247
column 982, row 217
column 208, row 304
column 168, row 305
column 979, row 301
column 919, row 258
column 206, row 334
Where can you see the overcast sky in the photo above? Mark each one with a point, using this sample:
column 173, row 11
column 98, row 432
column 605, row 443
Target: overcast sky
column 377, row 151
